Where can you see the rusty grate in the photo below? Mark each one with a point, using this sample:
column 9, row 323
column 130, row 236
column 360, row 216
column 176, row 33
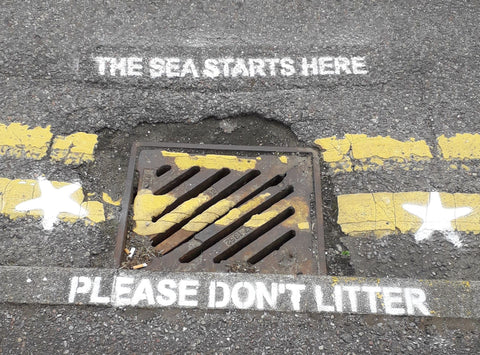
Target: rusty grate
column 224, row 208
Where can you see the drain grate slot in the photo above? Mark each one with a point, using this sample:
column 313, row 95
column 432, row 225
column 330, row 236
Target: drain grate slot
column 176, row 181
column 254, row 235
column 162, row 170
column 272, row 182
column 206, row 240
column 206, row 208
column 190, row 191
column 276, row 245
column 226, row 187
column 217, row 211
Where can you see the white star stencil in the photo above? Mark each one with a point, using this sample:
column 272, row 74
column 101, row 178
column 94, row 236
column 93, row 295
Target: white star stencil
column 52, row 202
column 437, row 218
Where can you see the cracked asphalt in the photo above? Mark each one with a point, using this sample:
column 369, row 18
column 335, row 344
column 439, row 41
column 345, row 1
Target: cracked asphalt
column 422, row 82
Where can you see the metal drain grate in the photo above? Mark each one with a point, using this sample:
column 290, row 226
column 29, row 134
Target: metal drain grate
column 224, row 208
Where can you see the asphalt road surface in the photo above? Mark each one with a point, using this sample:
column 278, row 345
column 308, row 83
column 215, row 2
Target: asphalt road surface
column 386, row 92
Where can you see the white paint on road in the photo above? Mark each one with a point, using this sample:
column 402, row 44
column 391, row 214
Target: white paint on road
column 53, row 201
column 395, row 300
column 354, row 297
column 437, row 218
column 229, row 67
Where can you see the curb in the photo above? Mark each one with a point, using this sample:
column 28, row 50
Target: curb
column 313, row 294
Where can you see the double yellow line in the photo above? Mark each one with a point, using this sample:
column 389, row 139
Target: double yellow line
column 362, row 214
column 381, row 213
column 21, row 141
column 358, row 152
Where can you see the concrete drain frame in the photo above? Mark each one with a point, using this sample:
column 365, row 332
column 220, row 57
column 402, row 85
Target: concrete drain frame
column 222, row 208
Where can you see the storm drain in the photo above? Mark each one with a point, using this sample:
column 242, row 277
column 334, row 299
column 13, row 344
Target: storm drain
column 224, row 209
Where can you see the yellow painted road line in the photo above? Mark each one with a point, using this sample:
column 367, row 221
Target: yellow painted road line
column 462, row 146
column 384, row 213
column 108, row 199
column 15, row 192
column 21, row 141
column 358, row 152
column 185, row 210
column 147, row 206
column 211, row 161
column 74, row 149
column 371, row 152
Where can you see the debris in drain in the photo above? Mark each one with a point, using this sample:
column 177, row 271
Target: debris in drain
column 242, row 267
column 223, row 208
column 139, row 266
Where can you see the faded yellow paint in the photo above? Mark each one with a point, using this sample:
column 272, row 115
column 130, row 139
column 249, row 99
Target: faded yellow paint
column 371, row 152
column 3, row 185
column 106, row 198
column 147, row 205
column 185, row 210
column 236, row 213
column 96, row 213
column 211, row 161
column 303, row 225
column 21, row 141
column 429, row 283
column 335, row 280
column 353, row 279
column 300, row 219
column 335, row 152
column 368, row 212
column 461, row 146
column 75, row 148
column 77, row 196
column 209, row 216
column 260, row 219
column 404, row 220
column 470, row 223
column 382, row 148
column 380, row 214
column 14, row 192
column 283, row 159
